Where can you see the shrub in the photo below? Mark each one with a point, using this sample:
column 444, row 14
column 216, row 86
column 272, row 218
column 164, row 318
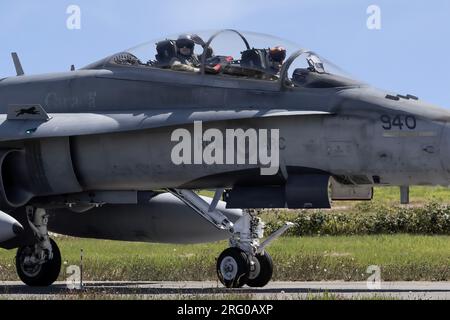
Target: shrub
column 363, row 219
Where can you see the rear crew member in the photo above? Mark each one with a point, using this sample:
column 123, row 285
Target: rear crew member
column 277, row 55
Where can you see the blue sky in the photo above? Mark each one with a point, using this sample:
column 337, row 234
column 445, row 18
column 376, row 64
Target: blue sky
column 408, row 55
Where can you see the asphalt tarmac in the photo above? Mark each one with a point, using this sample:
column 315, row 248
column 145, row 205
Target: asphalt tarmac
column 212, row 290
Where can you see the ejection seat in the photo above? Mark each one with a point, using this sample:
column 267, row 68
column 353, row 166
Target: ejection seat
column 254, row 59
column 256, row 63
column 167, row 50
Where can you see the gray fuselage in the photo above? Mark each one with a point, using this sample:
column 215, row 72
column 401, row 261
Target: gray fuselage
column 366, row 138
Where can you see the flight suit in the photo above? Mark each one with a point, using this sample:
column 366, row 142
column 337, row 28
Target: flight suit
column 188, row 64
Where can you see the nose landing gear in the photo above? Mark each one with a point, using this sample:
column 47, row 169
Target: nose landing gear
column 246, row 261
column 250, row 263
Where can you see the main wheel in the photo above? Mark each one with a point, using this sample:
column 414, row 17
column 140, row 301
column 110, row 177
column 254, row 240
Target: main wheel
column 261, row 271
column 233, row 267
column 38, row 275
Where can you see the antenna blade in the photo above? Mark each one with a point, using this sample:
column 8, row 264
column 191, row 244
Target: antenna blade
column 17, row 64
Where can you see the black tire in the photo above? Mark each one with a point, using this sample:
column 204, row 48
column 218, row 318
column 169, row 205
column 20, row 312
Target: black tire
column 233, row 267
column 42, row 275
column 263, row 272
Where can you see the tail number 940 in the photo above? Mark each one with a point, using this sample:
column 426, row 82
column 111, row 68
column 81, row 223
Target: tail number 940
column 398, row 122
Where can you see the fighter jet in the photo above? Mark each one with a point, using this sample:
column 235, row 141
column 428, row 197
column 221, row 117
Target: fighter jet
column 117, row 149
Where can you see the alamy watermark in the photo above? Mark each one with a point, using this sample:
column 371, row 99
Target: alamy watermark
column 237, row 146
column 374, row 19
column 73, row 22
column 374, row 281
column 73, row 281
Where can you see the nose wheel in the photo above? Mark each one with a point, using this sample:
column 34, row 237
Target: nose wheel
column 235, row 268
column 261, row 270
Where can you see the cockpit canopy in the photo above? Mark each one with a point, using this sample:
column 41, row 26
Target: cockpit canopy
column 231, row 53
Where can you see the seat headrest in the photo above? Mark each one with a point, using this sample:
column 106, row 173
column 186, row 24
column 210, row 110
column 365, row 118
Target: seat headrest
column 167, row 50
column 254, row 59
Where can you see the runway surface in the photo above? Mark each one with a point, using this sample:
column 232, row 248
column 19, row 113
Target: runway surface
column 212, row 290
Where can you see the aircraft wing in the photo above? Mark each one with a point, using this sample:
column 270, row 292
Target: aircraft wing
column 76, row 124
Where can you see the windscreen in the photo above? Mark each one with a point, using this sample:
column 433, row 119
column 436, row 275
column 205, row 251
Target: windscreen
column 232, row 53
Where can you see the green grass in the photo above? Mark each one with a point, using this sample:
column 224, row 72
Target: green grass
column 401, row 257
column 418, row 195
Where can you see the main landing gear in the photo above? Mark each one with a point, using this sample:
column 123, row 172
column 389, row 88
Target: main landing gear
column 38, row 265
column 246, row 262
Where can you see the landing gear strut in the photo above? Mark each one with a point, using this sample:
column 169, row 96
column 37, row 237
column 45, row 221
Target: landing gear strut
column 246, row 261
column 38, row 265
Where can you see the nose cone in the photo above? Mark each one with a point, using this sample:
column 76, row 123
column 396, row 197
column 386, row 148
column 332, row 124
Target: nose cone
column 9, row 227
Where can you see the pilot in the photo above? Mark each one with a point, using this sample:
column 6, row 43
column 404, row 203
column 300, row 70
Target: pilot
column 186, row 60
column 277, row 55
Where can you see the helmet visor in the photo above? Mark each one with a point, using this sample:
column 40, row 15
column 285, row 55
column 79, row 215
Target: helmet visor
column 185, row 43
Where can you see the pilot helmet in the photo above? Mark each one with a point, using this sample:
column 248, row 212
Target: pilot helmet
column 277, row 54
column 185, row 42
